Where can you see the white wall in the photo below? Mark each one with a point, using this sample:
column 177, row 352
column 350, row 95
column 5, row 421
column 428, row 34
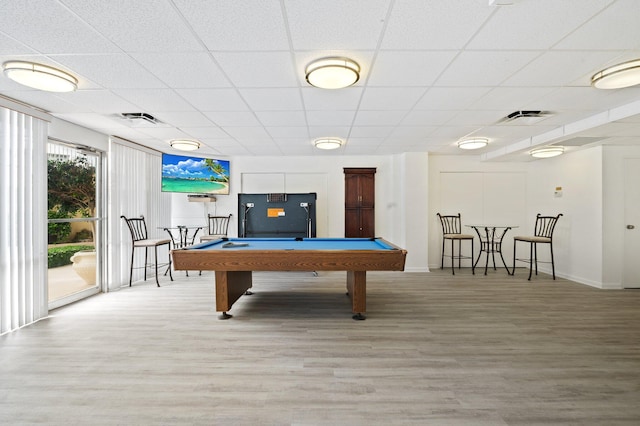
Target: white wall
column 394, row 208
column 578, row 235
column 588, row 248
column 482, row 192
column 578, row 239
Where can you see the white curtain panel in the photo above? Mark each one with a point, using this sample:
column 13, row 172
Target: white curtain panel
column 23, row 219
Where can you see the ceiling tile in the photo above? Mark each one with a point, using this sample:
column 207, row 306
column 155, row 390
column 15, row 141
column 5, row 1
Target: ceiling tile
column 116, row 71
column 297, row 132
column 435, row 25
column 248, row 134
column 214, row 99
column 330, row 118
column 408, row 68
column 9, row 46
column 509, row 99
column 142, row 26
column 379, row 118
column 450, row 98
column 559, row 69
column 50, row 28
column 488, row 68
column 281, row 118
column 184, row 70
column 413, row 133
column 153, row 101
column 328, row 131
column 200, row 133
column 258, row 69
column 272, row 99
column 370, row 131
column 599, row 34
column 233, row 118
column 185, row 119
column 427, row 118
column 101, row 101
column 379, row 98
column 319, row 99
column 164, row 134
column 248, row 25
column 315, row 25
column 531, row 25
column 92, row 120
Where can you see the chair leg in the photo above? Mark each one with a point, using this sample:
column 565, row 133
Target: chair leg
column 531, row 260
column 133, row 250
column 473, row 267
column 146, row 251
column 169, row 254
column 442, row 257
column 553, row 267
column 453, row 269
column 156, row 265
column 513, row 271
column 535, row 254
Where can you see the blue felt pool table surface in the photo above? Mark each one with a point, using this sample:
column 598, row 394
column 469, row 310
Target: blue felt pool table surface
column 296, row 244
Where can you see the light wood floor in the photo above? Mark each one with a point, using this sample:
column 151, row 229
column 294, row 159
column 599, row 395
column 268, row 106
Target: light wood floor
column 434, row 350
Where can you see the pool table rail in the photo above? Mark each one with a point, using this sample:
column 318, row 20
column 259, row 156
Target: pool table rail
column 233, row 267
column 289, row 260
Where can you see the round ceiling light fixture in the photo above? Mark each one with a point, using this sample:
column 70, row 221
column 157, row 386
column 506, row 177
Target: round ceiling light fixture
column 184, row 144
column 41, row 77
column 328, row 143
column 332, row 73
column 547, row 152
column 618, row 76
column 474, row 143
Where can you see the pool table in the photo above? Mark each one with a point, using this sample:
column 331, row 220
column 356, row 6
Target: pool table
column 233, row 260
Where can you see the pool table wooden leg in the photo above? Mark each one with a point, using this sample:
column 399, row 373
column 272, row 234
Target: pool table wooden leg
column 357, row 290
column 230, row 285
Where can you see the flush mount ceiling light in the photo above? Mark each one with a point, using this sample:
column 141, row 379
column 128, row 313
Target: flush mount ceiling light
column 547, row 152
column 618, row 76
column 184, row 144
column 41, row 77
column 332, row 73
column 328, row 143
column 475, row 143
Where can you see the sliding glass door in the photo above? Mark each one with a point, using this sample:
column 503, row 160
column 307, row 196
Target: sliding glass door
column 75, row 225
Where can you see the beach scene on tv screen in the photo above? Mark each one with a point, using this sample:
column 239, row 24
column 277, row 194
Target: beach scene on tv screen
column 194, row 175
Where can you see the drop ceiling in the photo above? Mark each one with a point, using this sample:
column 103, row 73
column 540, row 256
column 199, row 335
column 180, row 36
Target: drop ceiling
column 230, row 73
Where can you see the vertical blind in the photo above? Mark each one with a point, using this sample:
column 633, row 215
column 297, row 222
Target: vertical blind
column 134, row 190
column 23, row 219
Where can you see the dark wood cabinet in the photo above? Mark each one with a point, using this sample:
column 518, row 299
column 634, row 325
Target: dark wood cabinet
column 359, row 202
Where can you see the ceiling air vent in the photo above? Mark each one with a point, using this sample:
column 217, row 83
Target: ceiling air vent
column 525, row 117
column 140, row 116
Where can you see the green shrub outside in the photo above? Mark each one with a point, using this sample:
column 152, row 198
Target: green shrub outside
column 58, row 232
column 61, row 256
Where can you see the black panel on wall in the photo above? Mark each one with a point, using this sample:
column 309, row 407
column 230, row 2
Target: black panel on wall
column 277, row 215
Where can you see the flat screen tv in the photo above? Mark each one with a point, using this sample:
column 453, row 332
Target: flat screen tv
column 194, row 175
